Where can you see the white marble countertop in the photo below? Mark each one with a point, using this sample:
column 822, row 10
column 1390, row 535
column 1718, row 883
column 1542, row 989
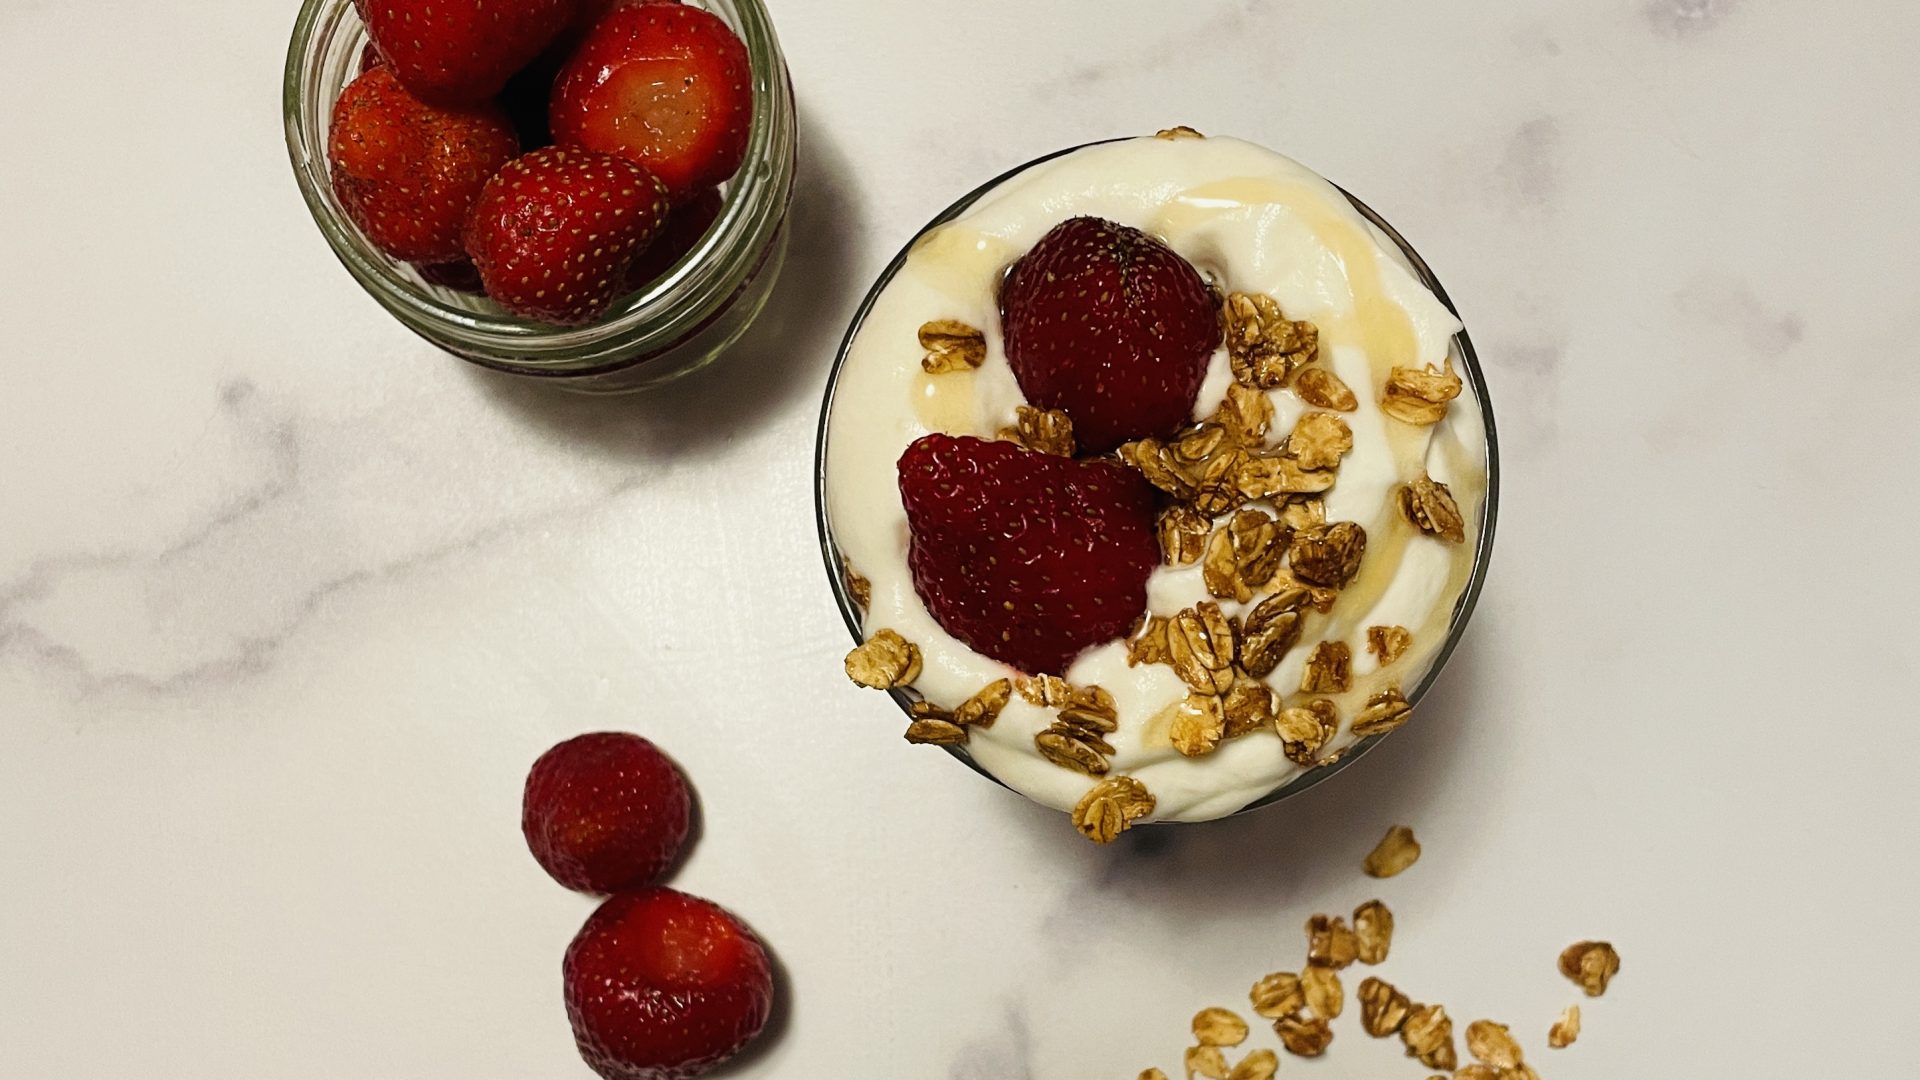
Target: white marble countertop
column 288, row 601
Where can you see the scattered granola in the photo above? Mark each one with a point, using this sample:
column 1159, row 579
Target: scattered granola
column 1181, row 132
column 1430, row 506
column 1304, row 1036
column 1248, row 708
column 934, row 731
column 1271, row 476
column 1385, row 711
column 1389, row 643
column 1071, row 752
column 1271, row 630
column 1373, row 930
column 1330, row 942
column 1076, row 740
column 1111, row 807
column 1320, row 440
column 1476, row 1072
column 1420, row 397
column 1199, row 723
column 951, row 346
column 1428, row 1035
column 1382, row 1008
column 1219, row 1027
column 1206, row 1061
column 1200, row 645
column 1592, row 964
column 884, row 661
column 1303, row 512
column 983, row 708
column 1183, row 534
column 1566, row 1029
column 1493, row 1043
column 1246, row 414
column 1329, row 669
column 1328, row 554
column 1049, row 431
column 1322, row 986
column 1304, row 729
column 1318, row 386
column 1148, row 645
column 1258, row 1065
column 1264, row 346
column 1277, row 995
column 1152, row 1074
column 857, row 585
column 1393, row 854
column 1047, row 691
column 1244, row 555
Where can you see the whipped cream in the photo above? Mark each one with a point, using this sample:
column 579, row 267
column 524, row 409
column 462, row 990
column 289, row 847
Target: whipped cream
column 1252, row 221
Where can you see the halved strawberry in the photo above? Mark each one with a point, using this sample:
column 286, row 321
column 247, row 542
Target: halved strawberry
column 555, row 231
column 666, row 85
column 1111, row 326
column 408, row 172
column 462, row 50
column 1027, row 557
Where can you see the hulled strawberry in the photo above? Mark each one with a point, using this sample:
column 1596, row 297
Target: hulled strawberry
column 408, row 172
column 605, row 812
column 1111, row 326
column 556, row 231
column 462, row 50
column 1026, row 557
column 665, row 85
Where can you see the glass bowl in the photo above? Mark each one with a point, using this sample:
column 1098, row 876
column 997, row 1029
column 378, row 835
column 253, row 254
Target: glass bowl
column 674, row 326
column 1464, row 359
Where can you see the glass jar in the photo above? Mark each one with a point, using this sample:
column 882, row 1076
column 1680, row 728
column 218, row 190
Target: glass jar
column 1460, row 351
column 675, row 325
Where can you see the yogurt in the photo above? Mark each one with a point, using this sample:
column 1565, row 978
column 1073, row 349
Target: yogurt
column 1251, row 221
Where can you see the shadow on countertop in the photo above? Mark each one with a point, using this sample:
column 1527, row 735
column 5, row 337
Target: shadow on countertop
column 783, row 356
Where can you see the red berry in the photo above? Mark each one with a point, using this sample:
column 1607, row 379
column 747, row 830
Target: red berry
column 555, row 231
column 685, row 227
column 1027, row 557
column 370, row 58
column 408, row 172
column 605, row 812
column 462, row 50
column 1111, row 326
column 664, row 986
column 668, row 86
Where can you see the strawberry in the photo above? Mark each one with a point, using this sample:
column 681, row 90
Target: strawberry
column 605, row 812
column 462, row 51
column 370, row 58
column 1027, row 557
column 407, row 172
column 555, row 231
column 686, row 226
column 664, row 986
column 666, row 85
column 1111, row 326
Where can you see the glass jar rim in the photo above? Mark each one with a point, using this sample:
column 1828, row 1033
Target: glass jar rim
column 1469, row 361
column 655, row 318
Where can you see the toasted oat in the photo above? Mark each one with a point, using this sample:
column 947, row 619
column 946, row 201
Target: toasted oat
column 1050, row 431
column 1220, row 571
column 1429, row 505
column 1304, row 1036
column 1318, row 386
column 1198, row 725
column 1304, row 729
column 1270, row 476
column 1303, row 512
column 1271, row 630
column 1319, row 441
column 951, row 346
column 1566, row 1029
column 1183, row 534
column 1181, row 132
column 1328, row 555
column 1265, row 346
column 1329, row 669
column 1393, row 854
column 1111, row 807
column 1277, row 995
column 886, row 660
column 1259, row 542
column 1090, row 708
column 1385, row 711
column 1248, row 708
column 1428, row 1035
column 1154, row 460
column 1219, row 1027
column 1152, row 1074
column 983, row 708
column 1322, row 987
column 1206, row 1061
column 1148, row 645
column 857, row 585
column 1477, row 1072
column 935, row 731
column 1048, row 691
column 1592, row 964
column 1200, row 444
column 1200, row 645
column 1258, row 1065
column 1493, row 1043
column 1373, row 929
column 1070, row 752
column 1382, row 1008
column 1388, row 643
column 1216, row 489
column 1330, row 943
column 1246, row 414
column 1420, row 397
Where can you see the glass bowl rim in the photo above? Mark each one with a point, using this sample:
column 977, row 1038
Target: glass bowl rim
column 1463, row 606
